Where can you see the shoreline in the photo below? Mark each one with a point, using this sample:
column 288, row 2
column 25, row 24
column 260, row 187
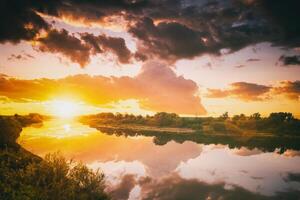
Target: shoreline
column 188, row 131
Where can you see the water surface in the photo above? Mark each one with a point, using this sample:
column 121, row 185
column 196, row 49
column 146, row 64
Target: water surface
column 136, row 167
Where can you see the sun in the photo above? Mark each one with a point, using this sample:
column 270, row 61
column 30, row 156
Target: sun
column 64, row 109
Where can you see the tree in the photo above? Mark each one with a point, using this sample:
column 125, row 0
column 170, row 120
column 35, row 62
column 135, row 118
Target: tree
column 281, row 117
column 224, row 116
column 255, row 116
column 166, row 119
column 239, row 117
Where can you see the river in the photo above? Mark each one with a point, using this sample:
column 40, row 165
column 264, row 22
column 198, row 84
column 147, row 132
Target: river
column 138, row 168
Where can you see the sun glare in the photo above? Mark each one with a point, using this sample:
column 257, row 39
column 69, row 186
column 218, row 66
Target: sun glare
column 64, row 109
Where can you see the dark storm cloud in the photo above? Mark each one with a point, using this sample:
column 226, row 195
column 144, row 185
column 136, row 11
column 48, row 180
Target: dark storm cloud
column 168, row 29
column 103, row 43
column 194, row 30
column 284, row 15
column 66, row 44
column 289, row 60
column 216, row 25
column 80, row 49
column 169, row 40
column 18, row 21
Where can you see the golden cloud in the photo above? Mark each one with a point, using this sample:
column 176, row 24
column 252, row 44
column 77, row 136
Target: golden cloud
column 156, row 87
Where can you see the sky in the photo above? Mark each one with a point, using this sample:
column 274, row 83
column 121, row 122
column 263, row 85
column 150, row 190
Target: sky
column 196, row 58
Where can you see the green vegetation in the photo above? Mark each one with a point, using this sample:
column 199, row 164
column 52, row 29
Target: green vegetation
column 24, row 176
column 276, row 123
column 161, row 119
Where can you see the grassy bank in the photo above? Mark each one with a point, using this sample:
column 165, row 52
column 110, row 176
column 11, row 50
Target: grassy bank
column 25, row 176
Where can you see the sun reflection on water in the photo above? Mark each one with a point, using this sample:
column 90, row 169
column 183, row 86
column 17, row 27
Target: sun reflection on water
column 57, row 128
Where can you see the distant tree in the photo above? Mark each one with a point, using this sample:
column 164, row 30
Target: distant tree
column 165, row 119
column 239, row 117
column 255, row 116
column 224, row 116
column 281, row 117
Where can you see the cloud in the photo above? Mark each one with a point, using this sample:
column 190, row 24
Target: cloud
column 114, row 45
column 239, row 66
column 18, row 21
column 122, row 190
column 241, row 90
column 23, row 20
column 243, row 151
column 186, row 30
column 16, row 57
column 169, row 40
column 290, row 89
column 253, row 60
column 102, row 13
column 291, row 153
column 255, row 92
column 168, row 30
column 175, row 187
column 217, row 93
column 289, row 60
column 156, row 87
column 80, row 49
column 283, row 16
column 23, row 56
column 60, row 41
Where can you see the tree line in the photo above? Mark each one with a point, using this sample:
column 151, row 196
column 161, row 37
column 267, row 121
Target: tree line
column 276, row 123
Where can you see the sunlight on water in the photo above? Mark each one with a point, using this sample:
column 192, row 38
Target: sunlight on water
column 58, row 128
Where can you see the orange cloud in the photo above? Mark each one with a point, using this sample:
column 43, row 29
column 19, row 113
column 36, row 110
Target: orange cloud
column 288, row 88
column 156, row 87
column 255, row 92
column 241, row 90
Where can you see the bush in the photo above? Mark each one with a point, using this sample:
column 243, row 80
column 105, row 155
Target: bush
column 51, row 179
column 218, row 126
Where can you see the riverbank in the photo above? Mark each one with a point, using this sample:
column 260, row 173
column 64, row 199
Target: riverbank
column 24, row 175
column 277, row 124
